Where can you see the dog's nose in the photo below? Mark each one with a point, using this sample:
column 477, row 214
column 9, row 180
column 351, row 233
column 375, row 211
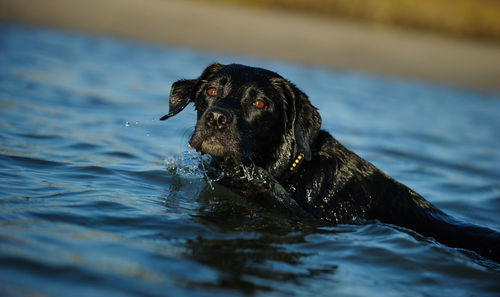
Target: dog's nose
column 218, row 118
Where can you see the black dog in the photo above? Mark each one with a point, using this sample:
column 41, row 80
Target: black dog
column 254, row 116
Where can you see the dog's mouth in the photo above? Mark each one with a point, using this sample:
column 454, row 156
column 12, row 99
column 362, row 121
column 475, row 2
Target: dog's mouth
column 219, row 149
column 213, row 148
column 226, row 153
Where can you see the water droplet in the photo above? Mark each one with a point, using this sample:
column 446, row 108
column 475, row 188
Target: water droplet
column 147, row 134
column 136, row 122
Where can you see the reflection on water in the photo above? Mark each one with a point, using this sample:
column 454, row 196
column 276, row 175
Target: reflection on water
column 98, row 197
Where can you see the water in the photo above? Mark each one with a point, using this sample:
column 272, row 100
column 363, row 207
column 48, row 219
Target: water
column 100, row 198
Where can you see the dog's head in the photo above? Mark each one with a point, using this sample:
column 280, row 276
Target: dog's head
column 247, row 114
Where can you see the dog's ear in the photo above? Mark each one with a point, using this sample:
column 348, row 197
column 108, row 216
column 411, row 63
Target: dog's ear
column 307, row 121
column 184, row 91
column 180, row 97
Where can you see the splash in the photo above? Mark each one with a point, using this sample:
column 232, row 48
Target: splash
column 249, row 181
column 192, row 165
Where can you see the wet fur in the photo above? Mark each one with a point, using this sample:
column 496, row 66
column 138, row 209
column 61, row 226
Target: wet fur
column 332, row 184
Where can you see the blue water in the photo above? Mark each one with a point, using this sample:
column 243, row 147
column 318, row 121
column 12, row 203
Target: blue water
column 100, row 198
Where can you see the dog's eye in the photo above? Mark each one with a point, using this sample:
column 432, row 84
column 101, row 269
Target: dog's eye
column 259, row 104
column 212, row 91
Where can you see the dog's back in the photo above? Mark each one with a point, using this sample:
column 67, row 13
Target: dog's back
column 338, row 186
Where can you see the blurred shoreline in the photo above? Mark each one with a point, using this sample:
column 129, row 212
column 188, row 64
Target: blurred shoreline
column 472, row 19
column 288, row 36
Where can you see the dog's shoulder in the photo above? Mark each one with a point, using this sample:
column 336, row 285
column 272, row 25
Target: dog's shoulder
column 327, row 151
column 336, row 184
column 340, row 185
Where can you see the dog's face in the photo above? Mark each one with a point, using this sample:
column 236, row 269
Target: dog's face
column 247, row 114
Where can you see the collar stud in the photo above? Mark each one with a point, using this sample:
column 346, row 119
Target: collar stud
column 297, row 162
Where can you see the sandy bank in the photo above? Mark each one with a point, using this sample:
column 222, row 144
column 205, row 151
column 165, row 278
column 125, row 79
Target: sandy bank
column 271, row 34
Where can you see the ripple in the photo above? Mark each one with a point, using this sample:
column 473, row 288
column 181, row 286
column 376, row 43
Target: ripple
column 121, row 155
column 29, row 162
column 40, row 136
column 428, row 159
column 97, row 171
column 83, row 146
column 154, row 176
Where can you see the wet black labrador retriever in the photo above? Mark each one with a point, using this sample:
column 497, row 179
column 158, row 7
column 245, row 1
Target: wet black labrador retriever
column 250, row 115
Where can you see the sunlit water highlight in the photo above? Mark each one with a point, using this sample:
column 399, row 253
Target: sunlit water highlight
column 100, row 198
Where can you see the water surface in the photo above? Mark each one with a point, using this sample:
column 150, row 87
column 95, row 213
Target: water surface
column 100, row 198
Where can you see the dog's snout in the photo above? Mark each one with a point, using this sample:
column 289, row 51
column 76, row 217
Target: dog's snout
column 218, row 118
